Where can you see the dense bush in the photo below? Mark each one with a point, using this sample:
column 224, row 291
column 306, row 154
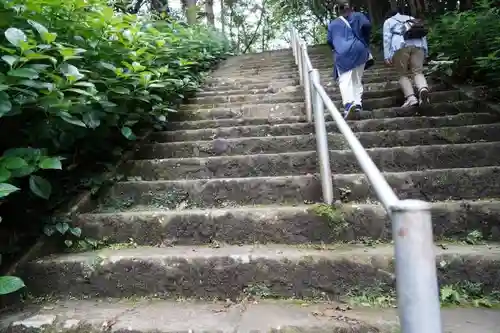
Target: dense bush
column 76, row 80
column 469, row 39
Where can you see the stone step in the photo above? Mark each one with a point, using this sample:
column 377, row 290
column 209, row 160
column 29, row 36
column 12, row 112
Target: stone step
column 236, row 272
column 300, row 143
column 247, row 84
column 326, row 76
column 429, row 185
column 221, row 80
column 268, row 88
column 342, row 161
column 323, row 69
column 279, row 108
column 230, row 130
column 276, row 60
column 259, row 316
column 284, row 224
column 392, row 123
column 296, row 94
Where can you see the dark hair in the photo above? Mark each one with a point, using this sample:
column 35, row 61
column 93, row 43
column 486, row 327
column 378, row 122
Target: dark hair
column 391, row 13
column 344, row 7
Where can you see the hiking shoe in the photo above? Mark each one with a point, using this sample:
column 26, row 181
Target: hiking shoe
column 411, row 101
column 423, row 96
column 350, row 111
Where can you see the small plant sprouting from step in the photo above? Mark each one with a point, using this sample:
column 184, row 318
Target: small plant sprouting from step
column 469, row 293
column 333, row 216
column 465, row 293
column 258, row 290
column 475, row 237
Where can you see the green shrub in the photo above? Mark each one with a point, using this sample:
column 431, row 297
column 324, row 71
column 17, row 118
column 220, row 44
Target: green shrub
column 469, row 39
column 76, row 81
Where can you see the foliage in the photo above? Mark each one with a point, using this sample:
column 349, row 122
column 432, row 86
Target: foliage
column 475, row 45
column 75, row 74
column 10, row 284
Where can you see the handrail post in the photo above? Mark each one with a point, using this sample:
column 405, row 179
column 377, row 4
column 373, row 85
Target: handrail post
column 301, row 63
column 322, row 142
column 416, row 277
column 294, row 44
column 307, row 85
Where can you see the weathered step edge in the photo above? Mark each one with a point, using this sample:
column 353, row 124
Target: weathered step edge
column 230, row 271
column 428, row 185
column 284, row 224
column 249, row 129
column 393, row 159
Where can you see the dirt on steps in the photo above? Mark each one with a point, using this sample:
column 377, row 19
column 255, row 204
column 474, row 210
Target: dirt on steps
column 146, row 316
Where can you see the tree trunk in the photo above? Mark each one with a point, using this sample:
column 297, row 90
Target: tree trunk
column 466, row 5
column 209, row 11
column 191, row 11
column 413, row 7
column 369, row 4
column 223, row 17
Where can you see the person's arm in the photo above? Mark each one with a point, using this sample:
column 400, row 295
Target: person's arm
column 387, row 37
column 425, row 46
column 329, row 36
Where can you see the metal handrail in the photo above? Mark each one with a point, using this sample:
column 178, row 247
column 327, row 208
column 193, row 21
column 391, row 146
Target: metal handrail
column 416, row 276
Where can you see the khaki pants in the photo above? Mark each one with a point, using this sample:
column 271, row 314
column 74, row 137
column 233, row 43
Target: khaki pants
column 408, row 60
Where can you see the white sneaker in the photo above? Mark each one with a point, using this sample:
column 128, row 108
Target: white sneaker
column 423, row 95
column 410, row 102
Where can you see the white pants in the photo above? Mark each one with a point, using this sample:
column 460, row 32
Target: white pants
column 351, row 85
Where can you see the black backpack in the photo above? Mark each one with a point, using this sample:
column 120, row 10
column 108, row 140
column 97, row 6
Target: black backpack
column 413, row 29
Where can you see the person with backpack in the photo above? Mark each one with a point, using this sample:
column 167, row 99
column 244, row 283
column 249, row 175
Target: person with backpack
column 405, row 48
column 349, row 37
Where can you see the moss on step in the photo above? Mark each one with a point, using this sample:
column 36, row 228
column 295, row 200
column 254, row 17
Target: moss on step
column 333, row 216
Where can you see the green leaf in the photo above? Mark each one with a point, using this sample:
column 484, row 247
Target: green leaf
column 127, row 132
column 15, row 36
column 62, row 227
column 81, row 92
column 50, row 163
column 3, row 87
column 77, row 232
column 71, row 120
column 68, row 242
column 10, row 284
column 71, row 72
column 38, row 56
column 40, row 186
column 28, row 73
column 14, row 162
column 4, row 174
column 6, row 189
column 5, row 103
column 11, row 60
column 91, row 119
column 23, row 172
column 38, row 27
column 84, row 84
column 37, row 84
column 48, row 37
column 121, row 90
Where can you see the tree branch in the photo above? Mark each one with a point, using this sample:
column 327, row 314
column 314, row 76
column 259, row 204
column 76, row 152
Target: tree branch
column 256, row 29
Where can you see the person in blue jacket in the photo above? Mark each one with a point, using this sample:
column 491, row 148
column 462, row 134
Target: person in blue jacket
column 349, row 37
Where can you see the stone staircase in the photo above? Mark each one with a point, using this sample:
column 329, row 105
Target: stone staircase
column 217, row 227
